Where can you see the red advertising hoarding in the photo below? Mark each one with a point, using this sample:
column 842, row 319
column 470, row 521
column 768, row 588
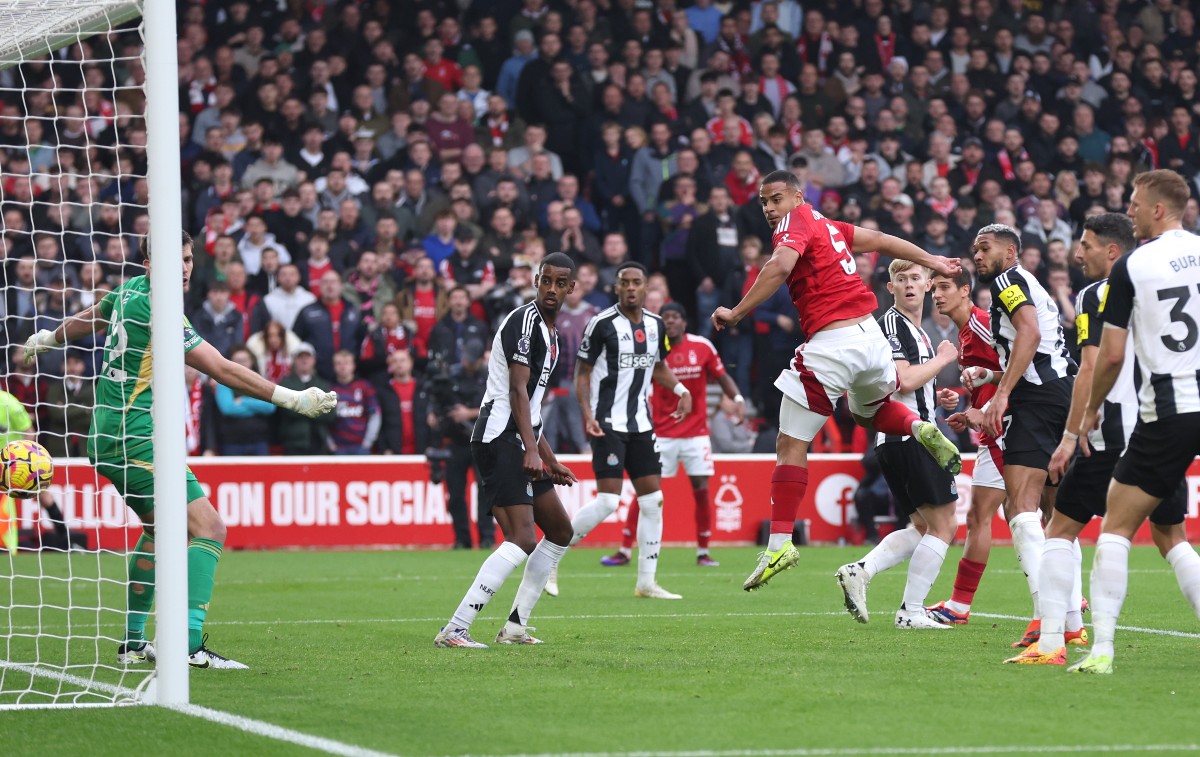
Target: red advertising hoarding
column 363, row 502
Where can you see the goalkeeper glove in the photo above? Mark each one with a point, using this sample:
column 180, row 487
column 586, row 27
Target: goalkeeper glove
column 310, row 403
column 42, row 341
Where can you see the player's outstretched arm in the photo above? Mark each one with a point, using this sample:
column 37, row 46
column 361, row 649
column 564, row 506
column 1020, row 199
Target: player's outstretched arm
column 869, row 240
column 86, row 322
column 770, row 278
column 310, row 403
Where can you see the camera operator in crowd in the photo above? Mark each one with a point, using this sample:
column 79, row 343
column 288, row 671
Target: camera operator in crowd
column 455, row 395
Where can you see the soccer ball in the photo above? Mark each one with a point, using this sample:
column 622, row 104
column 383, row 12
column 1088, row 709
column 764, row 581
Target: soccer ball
column 26, row 469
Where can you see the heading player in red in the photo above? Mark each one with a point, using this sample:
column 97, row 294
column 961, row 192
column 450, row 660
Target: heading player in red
column 693, row 360
column 845, row 352
column 976, row 355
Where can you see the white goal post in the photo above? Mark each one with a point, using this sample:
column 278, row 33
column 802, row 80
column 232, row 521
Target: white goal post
column 65, row 608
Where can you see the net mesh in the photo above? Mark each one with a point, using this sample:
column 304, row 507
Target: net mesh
column 74, row 200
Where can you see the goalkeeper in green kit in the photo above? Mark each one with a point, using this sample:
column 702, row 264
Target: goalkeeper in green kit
column 121, row 445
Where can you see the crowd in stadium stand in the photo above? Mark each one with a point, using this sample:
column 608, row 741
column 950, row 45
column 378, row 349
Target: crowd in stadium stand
column 371, row 184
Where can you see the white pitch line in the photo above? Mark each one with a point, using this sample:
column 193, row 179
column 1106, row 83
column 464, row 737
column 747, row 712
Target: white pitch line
column 628, row 616
column 278, row 732
column 869, row 751
column 86, row 683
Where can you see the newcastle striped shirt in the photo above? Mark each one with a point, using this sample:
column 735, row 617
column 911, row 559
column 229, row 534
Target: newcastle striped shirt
column 910, row 343
column 1046, row 379
column 623, row 354
column 522, row 339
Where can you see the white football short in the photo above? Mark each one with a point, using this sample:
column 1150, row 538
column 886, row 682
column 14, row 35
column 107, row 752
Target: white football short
column 853, row 360
column 989, row 468
column 694, row 452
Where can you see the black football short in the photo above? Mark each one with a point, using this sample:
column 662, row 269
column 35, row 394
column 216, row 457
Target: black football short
column 617, row 453
column 1032, row 431
column 1158, row 455
column 503, row 481
column 1083, row 493
column 914, row 476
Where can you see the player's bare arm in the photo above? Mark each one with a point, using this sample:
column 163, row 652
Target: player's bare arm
column 1080, row 393
column 583, row 393
column 663, row 377
column 84, row 323
column 770, row 278
column 310, row 403
column 913, row 377
column 518, row 399
column 559, row 473
column 1024, row 347
column 869, row 240
column 1109, row 358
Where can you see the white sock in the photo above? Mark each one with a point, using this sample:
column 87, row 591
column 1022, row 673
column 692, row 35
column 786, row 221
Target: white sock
column 495, row 569
column 891, row 550
column 1186, row 563
column 775, row 542
column 593, row 514
column 915, row 425
column 923, row 570
column 649, row 536
column 627, row 551
column 542, row 563
column 1028, row 538
column 1110, row 580
column 1054, row 592
column 1075, row 605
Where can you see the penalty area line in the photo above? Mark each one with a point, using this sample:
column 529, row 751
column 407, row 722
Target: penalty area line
column 277, row 732
column 871, row 751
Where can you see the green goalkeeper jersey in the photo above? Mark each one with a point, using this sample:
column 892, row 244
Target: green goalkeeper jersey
column 122, row 422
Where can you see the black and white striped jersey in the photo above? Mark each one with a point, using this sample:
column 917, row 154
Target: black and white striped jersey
column 910, row 343
column 1044, row 379
column 1154, row 291
column 522, row 339
column 1119, row 412
column 623, row 354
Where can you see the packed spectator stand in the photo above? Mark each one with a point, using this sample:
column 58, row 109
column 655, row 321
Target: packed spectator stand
column 372, row 184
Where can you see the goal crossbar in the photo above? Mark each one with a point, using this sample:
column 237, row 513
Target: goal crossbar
column 49, row 25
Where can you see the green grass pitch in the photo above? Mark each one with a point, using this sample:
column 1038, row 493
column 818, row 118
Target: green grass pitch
column 340, row 645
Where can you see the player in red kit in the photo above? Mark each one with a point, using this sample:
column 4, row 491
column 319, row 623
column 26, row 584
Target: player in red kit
column 952, row 297
column 845, row 353
column 693, row 360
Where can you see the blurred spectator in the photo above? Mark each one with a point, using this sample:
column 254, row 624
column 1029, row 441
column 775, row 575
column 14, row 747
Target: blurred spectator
column 368, row 288
column 69, row 406
column 245, row 428
column 385, row 338
column 729, row 432
column 455, row 392
column 422, row 302
column 453, row 330
column 358, row 418
column 298, row 434
column 285, row 301
column 200, row 411
column 217, row 320
column 330, row 324
column 272, row 348
column 404, row 405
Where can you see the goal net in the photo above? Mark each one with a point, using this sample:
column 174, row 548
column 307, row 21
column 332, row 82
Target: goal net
column 75, row 203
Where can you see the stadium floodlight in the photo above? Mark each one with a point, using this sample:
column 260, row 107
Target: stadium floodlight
column 89, row 115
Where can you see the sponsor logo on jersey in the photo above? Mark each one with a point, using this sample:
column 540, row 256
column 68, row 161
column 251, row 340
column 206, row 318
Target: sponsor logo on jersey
column 637, row 361
column 1012, row 297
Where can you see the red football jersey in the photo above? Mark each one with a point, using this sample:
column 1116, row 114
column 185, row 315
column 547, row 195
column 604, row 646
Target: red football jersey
column 824, row 284
column 976, row 350
column 693, row 361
